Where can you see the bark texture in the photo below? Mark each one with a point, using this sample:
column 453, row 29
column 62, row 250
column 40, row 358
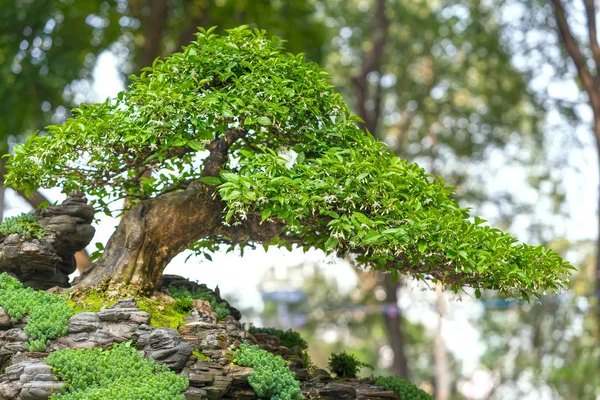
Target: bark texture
column 154, row 231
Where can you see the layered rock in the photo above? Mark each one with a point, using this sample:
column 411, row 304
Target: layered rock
column 202, row 350
column 47, row 262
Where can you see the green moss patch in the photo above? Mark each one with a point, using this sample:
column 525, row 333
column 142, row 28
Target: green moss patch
column 48, row 314
column 162, row 313
column 118, row 373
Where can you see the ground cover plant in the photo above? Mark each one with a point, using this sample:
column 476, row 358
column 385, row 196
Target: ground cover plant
column 271, row 379
column 404, row 389
column 185, row 300
column 26, row 225
column 48, row 314
column 118, row 373
column 289, row 338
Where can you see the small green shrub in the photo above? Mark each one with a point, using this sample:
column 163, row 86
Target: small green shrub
column 48, row 314
column 405, row 389
column 287, row 338
column 271, row 379
column 345, row 365
column 118, row 373
column 26, row 225
column 308, row 363
column 185, row 300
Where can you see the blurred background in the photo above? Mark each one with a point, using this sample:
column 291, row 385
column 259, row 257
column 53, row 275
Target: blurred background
column 499, row 97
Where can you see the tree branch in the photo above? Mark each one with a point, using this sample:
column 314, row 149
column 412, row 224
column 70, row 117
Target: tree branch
column 589, row 83
column 590, row 10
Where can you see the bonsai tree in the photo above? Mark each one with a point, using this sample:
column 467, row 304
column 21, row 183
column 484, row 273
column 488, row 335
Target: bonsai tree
column 233, row 141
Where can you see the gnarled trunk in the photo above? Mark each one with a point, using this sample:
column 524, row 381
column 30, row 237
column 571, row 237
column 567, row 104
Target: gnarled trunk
column 152, row 233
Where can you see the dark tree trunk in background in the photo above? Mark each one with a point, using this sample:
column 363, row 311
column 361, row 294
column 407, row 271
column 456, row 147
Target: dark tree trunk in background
column 371, row 62
column 393, row 325
column 590, row 80
column 443, row 378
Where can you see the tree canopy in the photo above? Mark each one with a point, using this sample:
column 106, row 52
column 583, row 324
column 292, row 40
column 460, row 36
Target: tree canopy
column 266, row 133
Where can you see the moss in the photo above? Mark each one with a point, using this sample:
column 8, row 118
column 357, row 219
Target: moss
column 162, row 313
column 200, row 356
column 90, row 301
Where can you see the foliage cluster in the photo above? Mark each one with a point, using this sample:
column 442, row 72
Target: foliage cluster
column 48, row 314
column 405, row 389
column 118, row 373
column 289, row 338
column 271, row 379
column 345, row 365
column 185, row 300
column 343, row 191
column 26, row 225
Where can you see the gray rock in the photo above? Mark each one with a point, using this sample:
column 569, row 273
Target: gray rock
column 338, row 391
column 84, row 322
column 166, row 346
column 5, row 322
column 47, row 262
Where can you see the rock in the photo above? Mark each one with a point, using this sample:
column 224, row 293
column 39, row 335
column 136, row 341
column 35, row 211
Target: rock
column 47, row 262
column 133, row 315
column 238, row 373
column 320, row 375
column 124, row 303
column 194, row 393
column 338, row 391
column 5, row 322
column 40, row 390
column 375, row 394
column 84, row 322
column 166, row 346
column 205, row 311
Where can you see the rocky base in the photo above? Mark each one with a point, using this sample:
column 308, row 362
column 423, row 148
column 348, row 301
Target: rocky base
column 48, row 262
column 201, row 350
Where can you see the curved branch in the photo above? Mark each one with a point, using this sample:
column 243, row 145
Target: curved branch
column 590, row 10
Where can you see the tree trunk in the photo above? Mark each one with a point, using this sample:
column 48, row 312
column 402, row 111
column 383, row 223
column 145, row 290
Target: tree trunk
column 154, row 231
column 442, row 365
column 393, row 325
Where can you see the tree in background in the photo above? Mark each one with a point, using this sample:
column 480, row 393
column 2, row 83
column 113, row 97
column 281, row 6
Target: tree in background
column 418, row 74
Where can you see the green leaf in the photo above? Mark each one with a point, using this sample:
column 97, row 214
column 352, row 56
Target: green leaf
column 211, row 180
column 264, row 121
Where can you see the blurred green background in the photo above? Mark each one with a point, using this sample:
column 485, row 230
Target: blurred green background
column 499, row 97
